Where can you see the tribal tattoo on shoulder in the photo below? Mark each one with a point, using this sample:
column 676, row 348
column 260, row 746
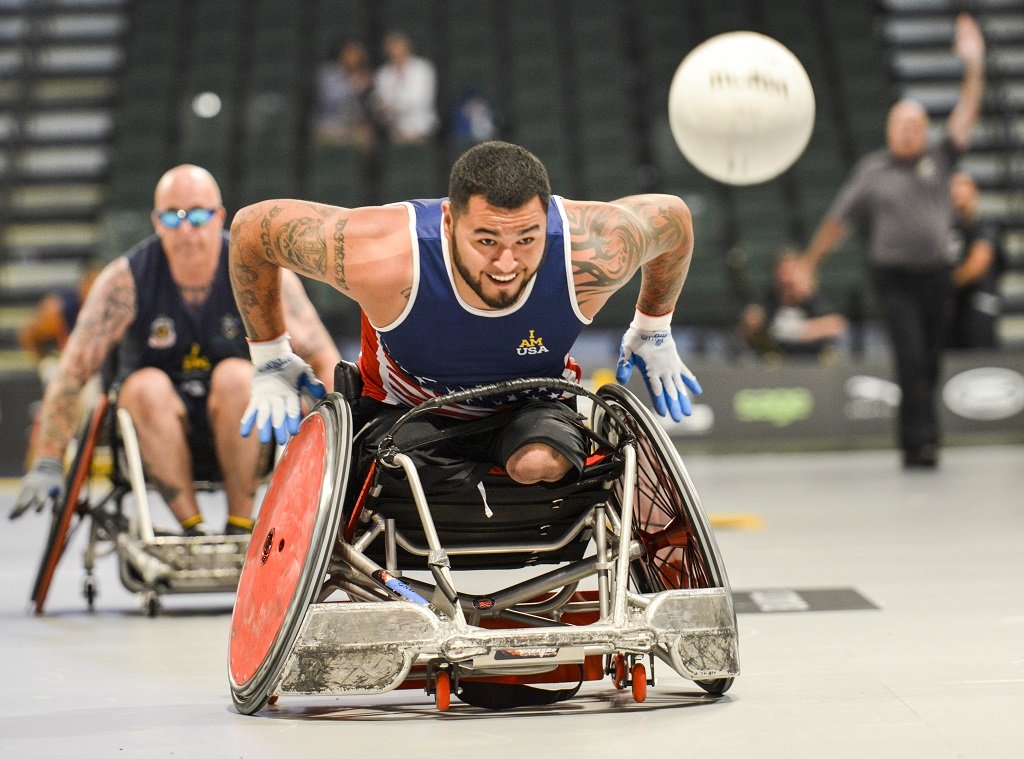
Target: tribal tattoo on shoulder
column 608, row 247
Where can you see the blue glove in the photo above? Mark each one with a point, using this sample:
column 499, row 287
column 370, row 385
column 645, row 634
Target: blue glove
column 43, row 484
column 279, row 378
column 654, row 352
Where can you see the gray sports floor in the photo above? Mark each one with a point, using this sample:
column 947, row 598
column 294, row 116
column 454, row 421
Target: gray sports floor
column 930, row 665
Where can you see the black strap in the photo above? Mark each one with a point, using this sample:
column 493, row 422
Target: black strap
column 498, row 696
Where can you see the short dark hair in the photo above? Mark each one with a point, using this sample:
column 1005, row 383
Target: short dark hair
column 506, row 175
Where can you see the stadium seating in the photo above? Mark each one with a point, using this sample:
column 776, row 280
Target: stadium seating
column 583, row 83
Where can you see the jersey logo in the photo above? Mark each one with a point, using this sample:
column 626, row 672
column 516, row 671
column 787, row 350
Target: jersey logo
column 230, row 326
column 532, row 345
column 161, row 333
column 194, row 362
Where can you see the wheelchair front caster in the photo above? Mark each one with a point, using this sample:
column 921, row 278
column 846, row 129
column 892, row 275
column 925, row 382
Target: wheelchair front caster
column 151, row 603
column 639, row 682
column 90, row 591
column 442, row 691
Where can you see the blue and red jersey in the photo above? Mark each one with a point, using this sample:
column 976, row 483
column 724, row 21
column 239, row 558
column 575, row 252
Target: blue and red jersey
column 441, row 344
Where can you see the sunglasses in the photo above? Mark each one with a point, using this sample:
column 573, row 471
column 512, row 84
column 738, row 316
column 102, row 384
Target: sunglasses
column 197, row 217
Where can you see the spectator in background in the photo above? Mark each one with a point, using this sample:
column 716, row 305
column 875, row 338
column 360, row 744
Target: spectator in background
column 902, row 193
column 474, row 119
column 343, row 111
column 795, row 321
column 406, row 92
column 976, row 303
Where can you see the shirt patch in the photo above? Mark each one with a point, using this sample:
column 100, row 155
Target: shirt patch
column 162, row 333
column 531, row 345
column 195, row 361
column 230, row 326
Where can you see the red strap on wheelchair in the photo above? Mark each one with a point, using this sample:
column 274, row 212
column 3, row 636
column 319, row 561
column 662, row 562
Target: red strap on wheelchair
column 357, row 509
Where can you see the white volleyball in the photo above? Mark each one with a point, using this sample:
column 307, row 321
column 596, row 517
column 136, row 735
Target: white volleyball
column 741, row 108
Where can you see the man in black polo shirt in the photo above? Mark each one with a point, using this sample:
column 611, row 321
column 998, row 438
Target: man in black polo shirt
column 902, row 195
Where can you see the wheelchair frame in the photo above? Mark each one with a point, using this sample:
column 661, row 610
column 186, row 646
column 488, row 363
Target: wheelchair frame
column 150, row 564
column 662, row 591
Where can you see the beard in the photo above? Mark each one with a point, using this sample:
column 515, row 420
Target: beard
column 500, row 297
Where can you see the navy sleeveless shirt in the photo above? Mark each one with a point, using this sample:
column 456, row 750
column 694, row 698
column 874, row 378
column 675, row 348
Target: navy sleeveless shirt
column 184, row 342
column 440, row 343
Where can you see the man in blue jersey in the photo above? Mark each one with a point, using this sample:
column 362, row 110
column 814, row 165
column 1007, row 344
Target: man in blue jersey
column 182, row 365
column 494, row 282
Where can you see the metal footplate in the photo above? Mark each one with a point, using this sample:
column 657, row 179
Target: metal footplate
column 696, row 632
column 186, row 564
column 366, row 648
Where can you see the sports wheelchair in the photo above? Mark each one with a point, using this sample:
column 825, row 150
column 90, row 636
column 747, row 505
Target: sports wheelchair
column 327, row 603
column 151, row 562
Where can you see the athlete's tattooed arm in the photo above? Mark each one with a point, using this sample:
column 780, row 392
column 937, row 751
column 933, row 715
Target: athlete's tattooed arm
column 286, row 234
column 107, row 312
column 309, row 336
column 610, row 241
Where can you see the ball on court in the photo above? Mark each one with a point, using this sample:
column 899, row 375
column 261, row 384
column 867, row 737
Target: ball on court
column 741, row 108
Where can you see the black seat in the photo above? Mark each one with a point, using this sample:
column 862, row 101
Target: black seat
column 540, row 515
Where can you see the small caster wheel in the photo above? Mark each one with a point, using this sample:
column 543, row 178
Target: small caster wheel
column 442, row 691
column 639, row 683
column 90, row 591
column 618, row 671
column 151, row 604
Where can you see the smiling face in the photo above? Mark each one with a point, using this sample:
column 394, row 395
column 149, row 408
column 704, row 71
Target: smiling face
column 495, row 251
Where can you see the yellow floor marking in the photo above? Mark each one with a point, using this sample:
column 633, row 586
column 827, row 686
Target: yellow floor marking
column 737, row 521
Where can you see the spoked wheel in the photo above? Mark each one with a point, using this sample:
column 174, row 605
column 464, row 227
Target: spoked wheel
column 289, row 553
column 60, row 526
column 681, row 551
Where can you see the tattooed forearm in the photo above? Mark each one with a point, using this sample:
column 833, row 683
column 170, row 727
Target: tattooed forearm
column 254, row 271
column 60, row 416
column 670, row 247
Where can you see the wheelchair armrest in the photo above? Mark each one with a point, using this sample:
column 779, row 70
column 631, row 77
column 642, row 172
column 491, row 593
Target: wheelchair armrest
column 347, row 380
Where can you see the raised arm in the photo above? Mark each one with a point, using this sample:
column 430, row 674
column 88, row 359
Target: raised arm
column 969, row 45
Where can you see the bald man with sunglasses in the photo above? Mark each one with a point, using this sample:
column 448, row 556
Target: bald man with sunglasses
column 166, row 311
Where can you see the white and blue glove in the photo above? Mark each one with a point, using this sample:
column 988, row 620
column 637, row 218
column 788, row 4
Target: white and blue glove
column 648, row 345
column 279, row 377
column 43, row 484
